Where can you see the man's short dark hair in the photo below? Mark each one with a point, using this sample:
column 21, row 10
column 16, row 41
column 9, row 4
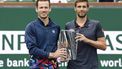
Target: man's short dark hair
column 41, row 0
column 77, row 1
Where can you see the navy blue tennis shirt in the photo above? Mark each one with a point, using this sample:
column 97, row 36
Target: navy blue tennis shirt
column 40, row 39
column 86, row 54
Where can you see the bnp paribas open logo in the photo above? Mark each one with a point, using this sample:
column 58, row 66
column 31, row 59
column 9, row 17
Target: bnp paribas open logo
column 12, row 42
column 114, row 42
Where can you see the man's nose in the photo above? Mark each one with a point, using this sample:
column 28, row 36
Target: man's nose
column 43, row 9
column 81, row 8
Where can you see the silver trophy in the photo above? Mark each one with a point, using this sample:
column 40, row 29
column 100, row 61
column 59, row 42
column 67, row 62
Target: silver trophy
column 67, row 40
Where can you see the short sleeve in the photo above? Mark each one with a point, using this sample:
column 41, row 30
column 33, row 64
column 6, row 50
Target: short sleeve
column 99, row 31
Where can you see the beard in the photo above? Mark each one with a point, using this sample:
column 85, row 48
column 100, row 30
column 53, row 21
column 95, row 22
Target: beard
column 81, row 16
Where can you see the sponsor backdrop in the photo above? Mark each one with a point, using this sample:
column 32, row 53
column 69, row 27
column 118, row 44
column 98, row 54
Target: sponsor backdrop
column 13, row 52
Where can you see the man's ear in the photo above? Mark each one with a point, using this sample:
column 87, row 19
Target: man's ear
column 36, row 9
column 74, row 9
column 50, row 9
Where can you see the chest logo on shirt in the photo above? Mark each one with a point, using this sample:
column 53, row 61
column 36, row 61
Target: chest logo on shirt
column 53, row 31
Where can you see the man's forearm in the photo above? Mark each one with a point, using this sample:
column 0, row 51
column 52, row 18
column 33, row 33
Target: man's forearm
column 99, row 44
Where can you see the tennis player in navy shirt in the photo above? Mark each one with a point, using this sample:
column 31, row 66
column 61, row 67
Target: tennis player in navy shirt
column 90, row 37
column 41, row 36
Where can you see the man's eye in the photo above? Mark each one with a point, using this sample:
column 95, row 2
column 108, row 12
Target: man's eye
column 84, row 6
column 79, row 6
column 41, row 7
column 46, row 7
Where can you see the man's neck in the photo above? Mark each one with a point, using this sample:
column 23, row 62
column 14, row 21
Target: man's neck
column 81, row 21
column 45, row 21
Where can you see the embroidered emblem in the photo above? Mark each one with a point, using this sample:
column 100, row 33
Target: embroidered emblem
column 53, row 31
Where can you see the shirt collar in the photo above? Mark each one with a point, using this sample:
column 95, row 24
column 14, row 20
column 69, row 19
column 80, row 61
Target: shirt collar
column 85, row 25
column 42, row 23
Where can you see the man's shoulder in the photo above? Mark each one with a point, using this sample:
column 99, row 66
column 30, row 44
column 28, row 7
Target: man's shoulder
column 55, row 24
column 93, row 21
column 70, row 23
column 31, row 23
